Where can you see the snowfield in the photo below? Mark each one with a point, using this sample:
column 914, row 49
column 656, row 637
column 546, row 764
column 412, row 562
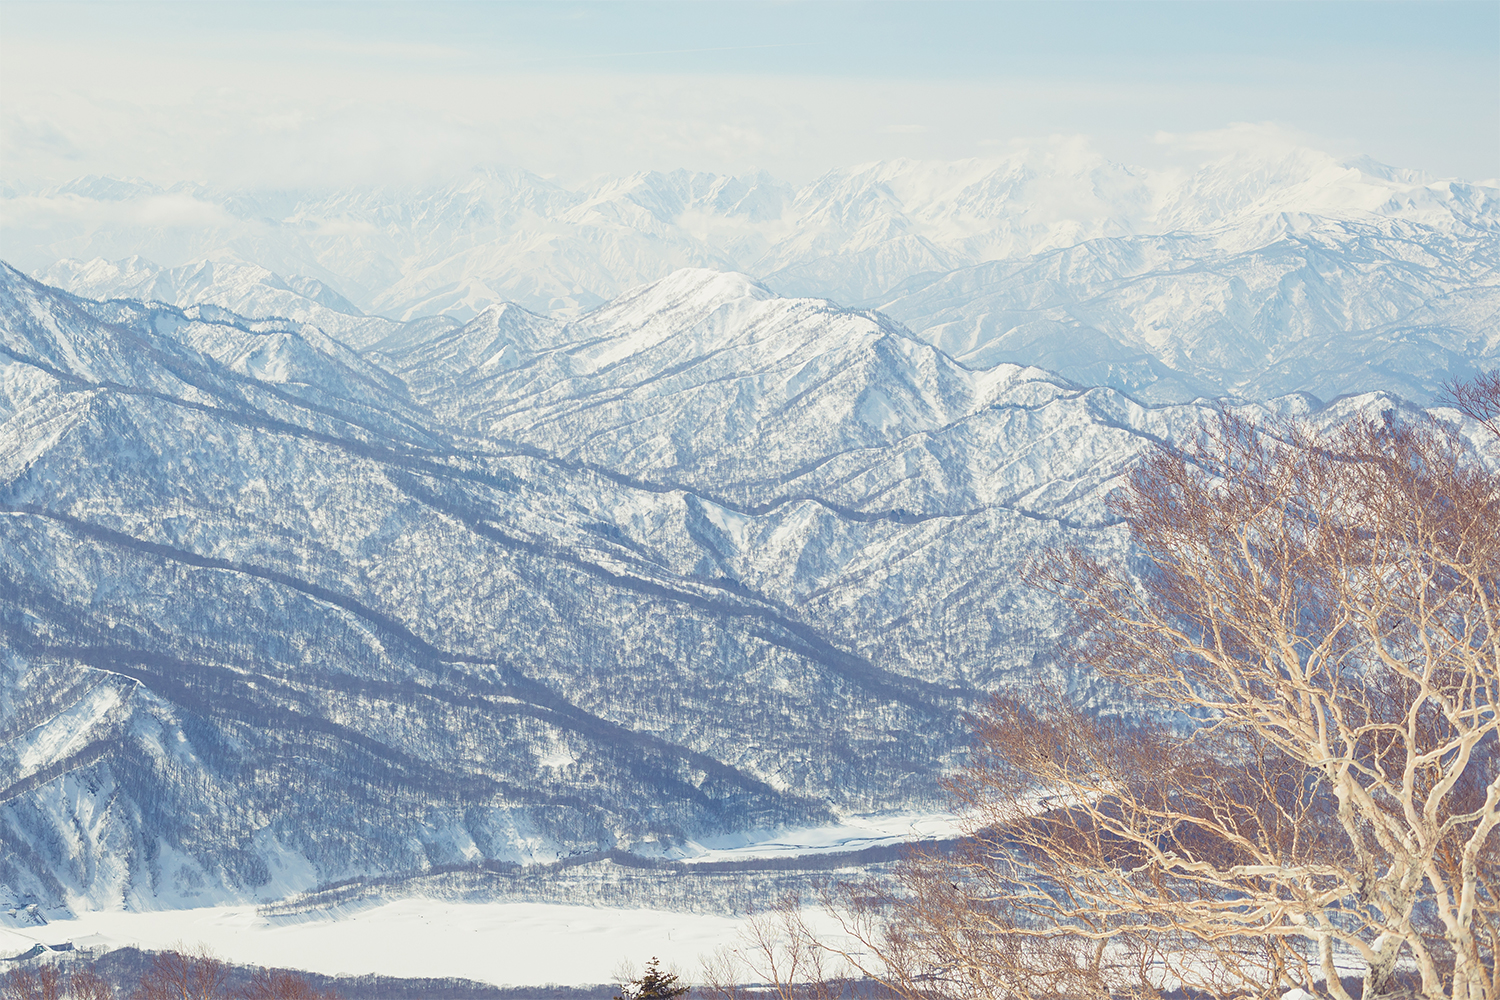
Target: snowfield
column 508, row 944
column 855, row 833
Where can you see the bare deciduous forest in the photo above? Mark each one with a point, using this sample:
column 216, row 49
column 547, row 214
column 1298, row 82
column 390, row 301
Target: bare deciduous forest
column 180, row 974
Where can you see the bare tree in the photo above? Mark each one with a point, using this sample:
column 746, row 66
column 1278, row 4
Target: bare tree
column 87, row 984
column 180, row 974
column 279, row 984
column 780, row 959
column 41, row 983
column 21, row 983
column 50, row 979
column 1326, row 608
column 1317, row 623
column 1479, row 398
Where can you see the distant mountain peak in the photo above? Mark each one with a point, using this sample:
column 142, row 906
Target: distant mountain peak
column 851, row 234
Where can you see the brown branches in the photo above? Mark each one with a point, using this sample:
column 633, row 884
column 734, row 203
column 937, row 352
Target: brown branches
column 779, row 950
column 1316, row 632
column 1479, row 398
column 42, row 983
column 86, row 984
column 279, row 984
column 1328, row 610
column 177, row 974
column 180, row 974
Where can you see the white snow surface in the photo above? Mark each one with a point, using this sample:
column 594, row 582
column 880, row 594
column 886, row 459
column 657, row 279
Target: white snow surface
column 500, row 943
column 853, row 833
column 515, row 944
column 521, row 943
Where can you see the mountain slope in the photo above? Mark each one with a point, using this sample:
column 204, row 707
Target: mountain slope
column 291, row 649
column 269, row 634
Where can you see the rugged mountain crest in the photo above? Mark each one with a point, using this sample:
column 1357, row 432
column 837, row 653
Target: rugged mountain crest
column 1330, row 310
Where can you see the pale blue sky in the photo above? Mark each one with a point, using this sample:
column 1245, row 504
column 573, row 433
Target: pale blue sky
column 270, row 93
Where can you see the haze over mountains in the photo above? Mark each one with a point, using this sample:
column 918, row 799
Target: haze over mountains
column 1225, row 278
column 500, row 523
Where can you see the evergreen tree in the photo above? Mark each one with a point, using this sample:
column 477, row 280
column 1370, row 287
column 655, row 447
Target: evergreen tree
column 653, row 984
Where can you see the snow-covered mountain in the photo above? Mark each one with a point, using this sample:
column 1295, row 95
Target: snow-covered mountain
column 279, row 614
column 244, row 289
column 863, row 231
column 497, row 235
column 852, row 235
column 1260, row 273
column 1331, row 308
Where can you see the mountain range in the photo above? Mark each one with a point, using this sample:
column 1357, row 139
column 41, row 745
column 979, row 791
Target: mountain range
column 382, row 535
column 1224, row 278
column 278, row 614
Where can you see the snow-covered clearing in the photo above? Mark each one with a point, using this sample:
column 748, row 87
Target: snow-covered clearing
column 854, row 833
column 501, row 943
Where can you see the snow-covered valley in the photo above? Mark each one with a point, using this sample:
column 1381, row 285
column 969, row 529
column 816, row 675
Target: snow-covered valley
column 503, row 943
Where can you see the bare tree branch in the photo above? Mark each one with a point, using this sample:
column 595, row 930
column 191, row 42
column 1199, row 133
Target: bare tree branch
column 1318, row 629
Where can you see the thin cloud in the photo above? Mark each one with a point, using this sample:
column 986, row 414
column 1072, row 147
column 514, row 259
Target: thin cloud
column 682, row 52
column 169, row 210
column 377, row 49
column 1237, row 137
column 396, row 110
column 38, row 136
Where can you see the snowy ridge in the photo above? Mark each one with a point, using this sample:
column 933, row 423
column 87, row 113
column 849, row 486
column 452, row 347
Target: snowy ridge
column 246, row 289
column 1334, row 309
